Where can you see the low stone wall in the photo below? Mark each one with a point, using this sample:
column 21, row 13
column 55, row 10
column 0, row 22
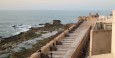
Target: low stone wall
column 100, row 42
column 80, row 50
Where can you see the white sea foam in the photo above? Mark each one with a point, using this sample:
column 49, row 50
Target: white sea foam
column 22, row 28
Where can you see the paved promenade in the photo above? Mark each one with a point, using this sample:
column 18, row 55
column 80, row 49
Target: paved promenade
column 70, row 44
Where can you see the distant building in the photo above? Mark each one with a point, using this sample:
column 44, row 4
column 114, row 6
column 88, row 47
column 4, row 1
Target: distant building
column 56, row 22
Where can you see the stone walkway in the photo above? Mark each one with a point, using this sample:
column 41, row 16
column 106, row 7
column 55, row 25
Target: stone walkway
column 69, row 44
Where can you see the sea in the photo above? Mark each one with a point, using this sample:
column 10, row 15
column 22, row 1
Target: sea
column 25, row 19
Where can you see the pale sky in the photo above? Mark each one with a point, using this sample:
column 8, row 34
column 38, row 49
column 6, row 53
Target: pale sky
column 57, row 4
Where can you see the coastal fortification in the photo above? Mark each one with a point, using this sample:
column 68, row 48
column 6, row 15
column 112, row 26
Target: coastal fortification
column 71, row 43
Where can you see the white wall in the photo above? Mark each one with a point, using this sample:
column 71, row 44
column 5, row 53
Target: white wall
column 113, row 35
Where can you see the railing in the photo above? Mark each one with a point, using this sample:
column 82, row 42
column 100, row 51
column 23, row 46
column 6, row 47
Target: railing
column 104, row 19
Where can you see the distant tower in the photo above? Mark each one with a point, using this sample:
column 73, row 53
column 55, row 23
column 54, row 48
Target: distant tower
column 97, row 15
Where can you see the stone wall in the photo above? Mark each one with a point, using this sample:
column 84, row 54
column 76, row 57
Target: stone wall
column 101, row 42
column 80, row 50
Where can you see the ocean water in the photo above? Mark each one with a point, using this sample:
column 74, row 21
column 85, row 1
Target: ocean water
column 35, row 17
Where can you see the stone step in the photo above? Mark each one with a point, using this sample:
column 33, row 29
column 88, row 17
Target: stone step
column 57, row 52
column 62, row 49
column 62, row 46
column 73, row 34
column 65, row 43
column 68, row 39
column 56, row 56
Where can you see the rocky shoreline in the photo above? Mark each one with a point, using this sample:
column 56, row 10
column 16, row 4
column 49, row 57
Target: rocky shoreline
column 9, row 43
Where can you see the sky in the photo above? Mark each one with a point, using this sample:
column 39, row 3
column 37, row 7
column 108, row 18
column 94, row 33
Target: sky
column 57, row 4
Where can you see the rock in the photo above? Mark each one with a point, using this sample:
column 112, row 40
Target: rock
column 48, row 25
column 56, row 22
column 0, row 36
column 41, row 24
